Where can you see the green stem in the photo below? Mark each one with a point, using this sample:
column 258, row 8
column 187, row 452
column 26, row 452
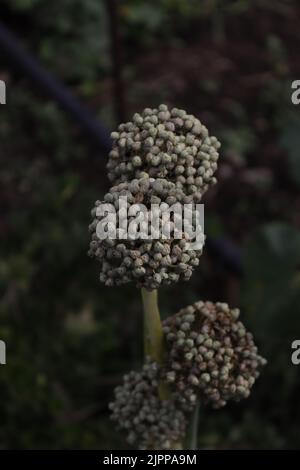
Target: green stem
column 153, row 331
column 153, row 334
column 192, row 433
column 154, row 340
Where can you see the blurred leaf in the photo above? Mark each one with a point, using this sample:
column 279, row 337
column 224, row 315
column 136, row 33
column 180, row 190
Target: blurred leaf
column 272, row 261
column 241, row 140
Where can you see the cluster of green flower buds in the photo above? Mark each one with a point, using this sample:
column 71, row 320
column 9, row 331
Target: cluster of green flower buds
column 163, row 143
column 162, row 157
column 211, row 356
column 155, row 257
column 149, row 422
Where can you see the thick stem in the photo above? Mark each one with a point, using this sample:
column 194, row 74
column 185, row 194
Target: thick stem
column 154, row 340
column 153, row 334
column 192, row 433
column 153, row 327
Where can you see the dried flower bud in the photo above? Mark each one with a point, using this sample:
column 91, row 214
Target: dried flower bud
column 165, row 143
column 150, row 422
column 146, row 260
column 225, row 365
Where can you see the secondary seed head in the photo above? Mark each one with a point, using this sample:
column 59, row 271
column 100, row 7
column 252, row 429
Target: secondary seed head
column 218, row 358
column 149, row 422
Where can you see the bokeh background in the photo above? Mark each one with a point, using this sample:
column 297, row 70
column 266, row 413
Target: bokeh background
column 69, row 339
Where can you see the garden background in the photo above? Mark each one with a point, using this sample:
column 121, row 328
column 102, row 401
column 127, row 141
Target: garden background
column 69, row 339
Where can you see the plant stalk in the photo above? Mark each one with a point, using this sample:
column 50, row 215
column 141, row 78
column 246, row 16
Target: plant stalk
column 153, row 334
column 153, row 327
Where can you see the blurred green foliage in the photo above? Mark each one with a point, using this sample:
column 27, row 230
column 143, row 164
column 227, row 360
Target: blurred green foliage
column 68, row 338
column 290, row 140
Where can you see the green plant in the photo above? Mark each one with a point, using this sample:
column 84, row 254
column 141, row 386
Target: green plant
column 203, row 354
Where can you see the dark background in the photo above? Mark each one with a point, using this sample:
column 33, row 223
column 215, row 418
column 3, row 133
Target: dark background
column 69, row 339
